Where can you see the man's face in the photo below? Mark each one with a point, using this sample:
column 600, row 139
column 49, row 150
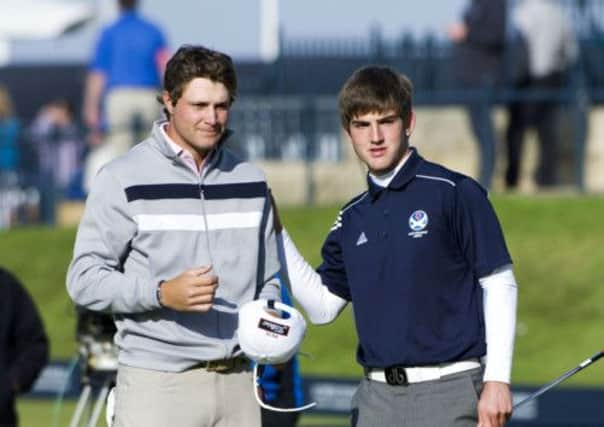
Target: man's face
column 379, row 140
column 199, row 117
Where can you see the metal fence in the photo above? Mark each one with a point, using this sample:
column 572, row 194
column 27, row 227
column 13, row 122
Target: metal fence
column 318, row 65
column 286, row 128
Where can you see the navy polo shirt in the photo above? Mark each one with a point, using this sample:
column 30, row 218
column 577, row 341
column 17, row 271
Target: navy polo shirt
column 409, row 257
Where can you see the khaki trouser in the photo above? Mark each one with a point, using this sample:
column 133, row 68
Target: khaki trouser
column 193, row 398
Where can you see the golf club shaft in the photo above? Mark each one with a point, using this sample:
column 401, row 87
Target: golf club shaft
column 561, row 378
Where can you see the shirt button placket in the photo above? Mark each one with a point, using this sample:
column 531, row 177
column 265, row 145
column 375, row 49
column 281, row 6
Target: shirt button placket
column 384, row 233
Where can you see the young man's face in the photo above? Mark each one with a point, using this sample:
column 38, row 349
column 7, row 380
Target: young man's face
column 379, row 139
column 199, row 117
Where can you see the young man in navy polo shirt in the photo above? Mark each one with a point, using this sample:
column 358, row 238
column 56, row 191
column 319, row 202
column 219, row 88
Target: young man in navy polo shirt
column 422, row 258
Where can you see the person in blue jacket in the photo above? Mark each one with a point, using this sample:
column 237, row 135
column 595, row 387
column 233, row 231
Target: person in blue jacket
column 9, row 137
column 121, row 86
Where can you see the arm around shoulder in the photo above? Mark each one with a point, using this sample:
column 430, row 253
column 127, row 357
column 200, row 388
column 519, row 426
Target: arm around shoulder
column 321, row 305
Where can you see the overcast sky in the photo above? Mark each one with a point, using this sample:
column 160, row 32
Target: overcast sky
column 233, row 25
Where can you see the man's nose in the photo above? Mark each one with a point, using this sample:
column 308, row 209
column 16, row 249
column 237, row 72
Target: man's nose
column 210, row 115
column 376, row 133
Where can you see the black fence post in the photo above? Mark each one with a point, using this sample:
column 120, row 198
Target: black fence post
column 309, row 130
column 376, row 45
column 580, row 109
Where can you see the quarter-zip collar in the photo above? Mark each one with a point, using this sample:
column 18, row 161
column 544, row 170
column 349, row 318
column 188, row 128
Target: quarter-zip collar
column 160, row 142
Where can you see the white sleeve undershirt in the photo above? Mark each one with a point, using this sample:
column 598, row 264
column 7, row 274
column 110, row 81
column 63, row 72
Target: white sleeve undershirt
column 500, row 298
column 305, row 284
column 499, row 290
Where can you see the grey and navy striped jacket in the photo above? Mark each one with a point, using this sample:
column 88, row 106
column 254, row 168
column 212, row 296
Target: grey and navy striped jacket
column 148, row 218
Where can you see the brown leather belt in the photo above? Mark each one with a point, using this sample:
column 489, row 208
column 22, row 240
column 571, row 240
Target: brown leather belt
column 223, row 365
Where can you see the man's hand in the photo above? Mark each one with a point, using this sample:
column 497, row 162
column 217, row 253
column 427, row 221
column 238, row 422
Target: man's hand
column 495, row 404
column 457, row 32
column 192, row 290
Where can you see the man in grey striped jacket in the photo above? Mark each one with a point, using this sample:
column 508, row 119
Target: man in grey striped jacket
column 177, row 234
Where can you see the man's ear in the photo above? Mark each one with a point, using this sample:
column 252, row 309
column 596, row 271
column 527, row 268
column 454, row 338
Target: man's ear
column 165, row 95
column 411, row 124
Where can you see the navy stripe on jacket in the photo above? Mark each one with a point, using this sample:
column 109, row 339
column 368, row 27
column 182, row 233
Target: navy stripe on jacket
column 247, row 190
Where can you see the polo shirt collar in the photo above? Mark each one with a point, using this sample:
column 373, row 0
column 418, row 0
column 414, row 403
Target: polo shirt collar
column 404, row 175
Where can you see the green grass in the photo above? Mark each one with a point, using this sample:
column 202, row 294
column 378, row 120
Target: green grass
column 555, row 242
column 39, row 256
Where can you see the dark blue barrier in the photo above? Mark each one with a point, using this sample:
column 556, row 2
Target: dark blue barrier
column 558, row 407
column 58, row 378
column 581, row 407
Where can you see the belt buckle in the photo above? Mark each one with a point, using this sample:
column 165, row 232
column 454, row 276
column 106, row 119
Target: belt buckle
column 396, row 375
column 225, row 365
column 222, row 365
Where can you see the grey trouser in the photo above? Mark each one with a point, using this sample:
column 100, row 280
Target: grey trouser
column 448, row 402
column 193, row 398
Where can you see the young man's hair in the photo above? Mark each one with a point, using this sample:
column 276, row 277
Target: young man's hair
column 375, row 89
column 190, row 62
column 64, row 104
column 128, row 4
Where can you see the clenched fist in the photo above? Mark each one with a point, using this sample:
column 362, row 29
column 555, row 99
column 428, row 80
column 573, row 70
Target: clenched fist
column 192, row 290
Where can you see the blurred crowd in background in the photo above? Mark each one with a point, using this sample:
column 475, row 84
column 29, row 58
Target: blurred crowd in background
column 498, row 53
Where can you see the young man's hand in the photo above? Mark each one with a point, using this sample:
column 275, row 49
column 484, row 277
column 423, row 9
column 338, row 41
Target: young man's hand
column 495, row 404
column 192, row 290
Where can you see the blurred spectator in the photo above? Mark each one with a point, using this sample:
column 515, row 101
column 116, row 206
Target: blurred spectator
column 18, row 204
column 9, row 160
column 58, row 143
column 23, row 345
column 9, row 137
column 547, row 56
column 479, row 52
column 127, row 66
